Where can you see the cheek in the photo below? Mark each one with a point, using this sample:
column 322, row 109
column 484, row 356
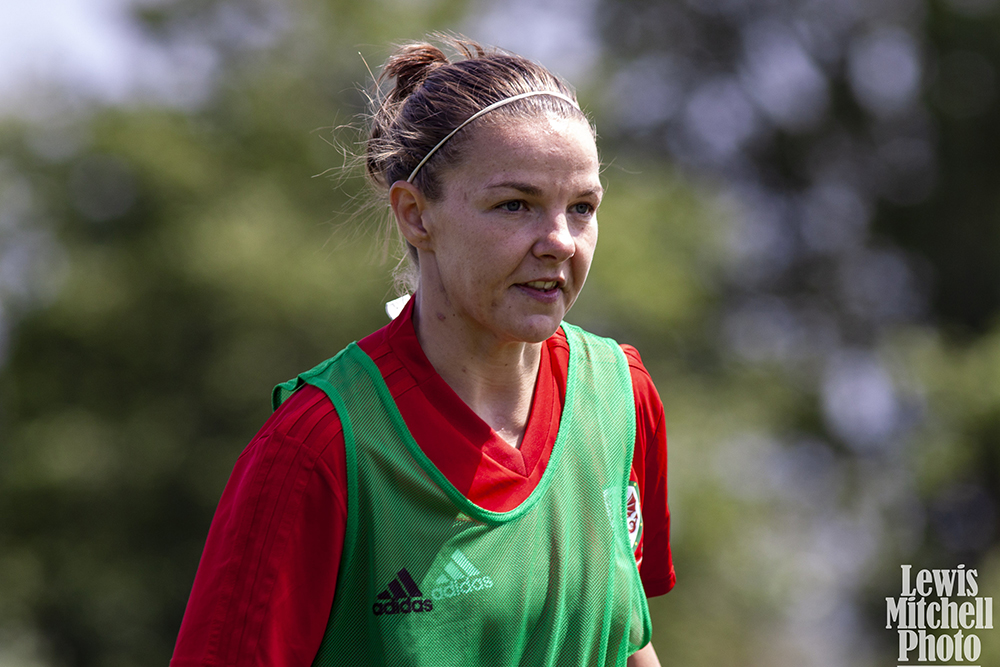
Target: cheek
column 585, row 253
column 473, row 268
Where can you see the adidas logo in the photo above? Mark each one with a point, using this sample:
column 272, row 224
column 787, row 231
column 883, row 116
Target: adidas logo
column 460, row 577
column 398, row 597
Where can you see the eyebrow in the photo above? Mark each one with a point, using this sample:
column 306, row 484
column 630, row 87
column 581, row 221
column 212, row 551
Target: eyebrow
column 526, row 188
column 535, row 191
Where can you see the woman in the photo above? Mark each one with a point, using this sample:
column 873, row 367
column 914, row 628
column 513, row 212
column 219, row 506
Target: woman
column 466, row 485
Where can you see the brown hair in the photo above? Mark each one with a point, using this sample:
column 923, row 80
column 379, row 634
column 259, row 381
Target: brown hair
column 433, row 95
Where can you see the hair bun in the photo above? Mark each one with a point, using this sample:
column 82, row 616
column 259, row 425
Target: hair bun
column 410, row 65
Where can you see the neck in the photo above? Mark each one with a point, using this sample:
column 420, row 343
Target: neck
column 496, row 379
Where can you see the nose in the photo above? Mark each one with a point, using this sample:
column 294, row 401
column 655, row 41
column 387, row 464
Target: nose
column 555, row 241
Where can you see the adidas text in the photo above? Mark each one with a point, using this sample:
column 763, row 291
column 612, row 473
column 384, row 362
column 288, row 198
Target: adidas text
column 461, row 587
column 403, row 606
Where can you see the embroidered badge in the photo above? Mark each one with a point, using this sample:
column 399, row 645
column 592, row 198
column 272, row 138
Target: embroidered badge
column 633, row 514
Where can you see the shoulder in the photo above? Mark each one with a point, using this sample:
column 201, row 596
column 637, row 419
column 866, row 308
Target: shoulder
column 642, row 381
column 297, row 458
column 649, row 414
column 307, row 416
column 634, row 359
column 302, row 443
column 645, row 391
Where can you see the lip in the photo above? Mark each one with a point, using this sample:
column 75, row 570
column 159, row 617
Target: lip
column 560, row 281
column 544, row 296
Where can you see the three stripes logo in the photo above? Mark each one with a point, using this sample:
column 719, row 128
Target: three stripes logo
column 401, row 596
column 460, row 577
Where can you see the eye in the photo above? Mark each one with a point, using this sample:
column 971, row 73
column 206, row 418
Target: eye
column 583, row 208
column 512, row 206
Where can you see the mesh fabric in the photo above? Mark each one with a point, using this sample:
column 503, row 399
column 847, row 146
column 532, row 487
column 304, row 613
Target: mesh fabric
column 429, row 578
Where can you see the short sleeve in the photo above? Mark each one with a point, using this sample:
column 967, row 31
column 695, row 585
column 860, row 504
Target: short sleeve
column 649, row 471
column 265, row 584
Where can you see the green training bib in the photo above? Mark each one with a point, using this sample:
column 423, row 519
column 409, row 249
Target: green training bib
column 428, row 578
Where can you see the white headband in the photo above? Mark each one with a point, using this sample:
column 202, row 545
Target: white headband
column 485, row 110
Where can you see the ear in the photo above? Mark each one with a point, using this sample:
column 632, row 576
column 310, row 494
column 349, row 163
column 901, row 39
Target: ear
column 408, row 206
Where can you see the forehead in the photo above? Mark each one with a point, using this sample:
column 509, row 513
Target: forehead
column 559, row 151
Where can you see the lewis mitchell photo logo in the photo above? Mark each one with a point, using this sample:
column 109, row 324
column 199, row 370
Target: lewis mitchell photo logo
column 938, row 616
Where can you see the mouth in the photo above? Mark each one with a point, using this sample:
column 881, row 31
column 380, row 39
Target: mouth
column 546, row 291
column 543, row 285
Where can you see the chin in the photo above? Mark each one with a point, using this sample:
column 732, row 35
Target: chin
column 538, row 330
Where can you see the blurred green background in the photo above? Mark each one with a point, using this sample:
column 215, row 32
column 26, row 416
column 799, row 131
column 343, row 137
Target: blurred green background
column 801, row 234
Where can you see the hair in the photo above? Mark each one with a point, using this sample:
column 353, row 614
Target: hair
column 432, row 95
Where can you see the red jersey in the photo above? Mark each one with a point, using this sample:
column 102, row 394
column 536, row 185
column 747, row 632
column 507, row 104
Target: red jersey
column 267, row 577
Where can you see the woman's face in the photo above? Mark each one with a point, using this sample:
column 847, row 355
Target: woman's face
column 510, row 241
